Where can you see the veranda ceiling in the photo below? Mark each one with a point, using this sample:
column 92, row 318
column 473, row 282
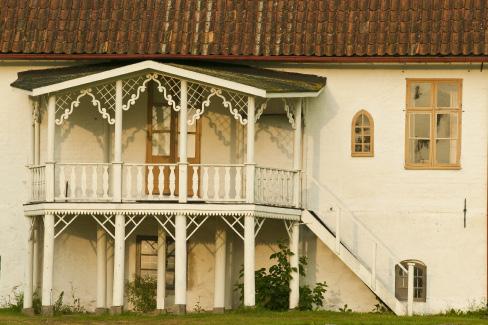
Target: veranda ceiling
column 244, row 79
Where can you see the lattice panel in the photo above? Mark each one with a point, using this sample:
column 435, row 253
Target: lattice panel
column 238, row 105
column 62, row 221
column 107, row 222
column 198, row 99
column 236, row 223
column 169, row 87
column 168, row 223
column 193, row 223
column 105, row 93
column 67, row 102
column 132, row 222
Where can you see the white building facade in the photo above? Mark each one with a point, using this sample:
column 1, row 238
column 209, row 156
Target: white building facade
column 87, row 214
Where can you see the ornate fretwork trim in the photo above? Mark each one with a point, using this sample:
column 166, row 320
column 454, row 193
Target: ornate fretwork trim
column 68, row 100
column 36, row 110
column 261, row 108
column 134, row 87
column 62, row 222
column 193, row 223
column 168, row 223
column 236, row 103
column 236, row 223
column 289, row 113
column 132, row 222
column 288, row 226
column 107, row 222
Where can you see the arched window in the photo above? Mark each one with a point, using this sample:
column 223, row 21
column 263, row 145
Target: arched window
column 419, row 281
column 362, row 137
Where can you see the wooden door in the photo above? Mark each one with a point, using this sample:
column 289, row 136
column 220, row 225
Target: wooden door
column 162, row 139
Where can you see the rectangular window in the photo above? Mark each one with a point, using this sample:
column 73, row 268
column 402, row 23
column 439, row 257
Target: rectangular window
column 433, row 124
column 146, row 261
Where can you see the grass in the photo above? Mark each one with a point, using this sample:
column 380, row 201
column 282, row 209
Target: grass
column 247, row 318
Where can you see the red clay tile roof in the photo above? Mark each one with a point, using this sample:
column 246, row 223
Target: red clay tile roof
column 328, row 28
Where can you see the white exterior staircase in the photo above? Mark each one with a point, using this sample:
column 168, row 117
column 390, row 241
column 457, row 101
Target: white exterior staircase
column 355, row 245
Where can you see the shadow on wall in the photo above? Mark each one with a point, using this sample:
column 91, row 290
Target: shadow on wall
column 318, row 114
column 279, row 133
column 84, row 123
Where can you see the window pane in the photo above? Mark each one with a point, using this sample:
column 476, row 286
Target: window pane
column 367, row 139
column 419, row 125
column 419, row 151
column 365, row 120
column 357, row 148
column 161, row 118
column 446, row 151
column 367, row 148
column 447, row 125
column 149, row 273
column 149, row 262
column 420, row 94
column 148, row 247
column 447, row 94
column 161, row 144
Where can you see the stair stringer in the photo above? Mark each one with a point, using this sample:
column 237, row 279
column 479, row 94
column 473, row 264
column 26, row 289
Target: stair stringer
column 362, row 272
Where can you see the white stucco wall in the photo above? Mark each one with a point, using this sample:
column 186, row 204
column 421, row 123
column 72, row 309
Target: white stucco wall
column 417, row 213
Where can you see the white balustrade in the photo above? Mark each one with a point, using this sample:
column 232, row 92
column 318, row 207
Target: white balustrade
column 216, row 182
column 37, row 175
column 82, row 182
column 149, row 182
column 275, row 186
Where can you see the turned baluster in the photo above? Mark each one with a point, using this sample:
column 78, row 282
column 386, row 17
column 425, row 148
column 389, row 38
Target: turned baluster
column 62, row 182
column 238, row 185
column 139, row 182
column 150, row 181
column 227, row 183
column 105, row 179
column 195, row 182
column 72, row 183
column 83, row 181
column 161, row 182
column 216, row 183
column 172, row 181
column 205, row 183
column 94, row 181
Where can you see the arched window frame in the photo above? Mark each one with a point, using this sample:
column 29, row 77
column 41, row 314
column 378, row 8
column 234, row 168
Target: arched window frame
column 355, row 153
column 401, row 281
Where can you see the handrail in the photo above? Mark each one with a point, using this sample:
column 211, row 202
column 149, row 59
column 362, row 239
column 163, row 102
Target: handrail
column 279, row 169
column 361, row 224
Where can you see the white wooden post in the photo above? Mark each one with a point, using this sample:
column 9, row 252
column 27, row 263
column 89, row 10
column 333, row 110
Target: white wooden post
column 117, row 163
column 410, row 288
column 297, row 153
column 101, row 270
column 220, row 262
column 338, row 231
column 180, row 263
column 48, row 261
column 373, row 266
column 51, row 125
column 32, row 141
column 37, row 134
column 294, row 281
column 35, row 255
column 119, row 263
column 250, row 163
column 29, row 272
column 161, row 278
column 249, row 261
column 182, row 144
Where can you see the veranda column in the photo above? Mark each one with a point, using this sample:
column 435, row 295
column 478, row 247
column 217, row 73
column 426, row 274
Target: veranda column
column 410, row 284
column 119, row 262
column 182, row 144
column 51, row 124
column 37, row 134
column 29, row 272
column 297, row 153
column 249, row 285
column 101, row 270
column 250, row 163
column 180, row 264
column 161, row 262
column 220, row 275
column 294, row 281
column 117, row 163
column 47, row 265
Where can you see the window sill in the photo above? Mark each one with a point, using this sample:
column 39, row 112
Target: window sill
column 414, row 167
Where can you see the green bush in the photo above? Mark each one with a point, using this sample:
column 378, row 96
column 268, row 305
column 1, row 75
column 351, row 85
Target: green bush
column 15, row 300
column 141, row 293
column 59, row 308
column 273, row 285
